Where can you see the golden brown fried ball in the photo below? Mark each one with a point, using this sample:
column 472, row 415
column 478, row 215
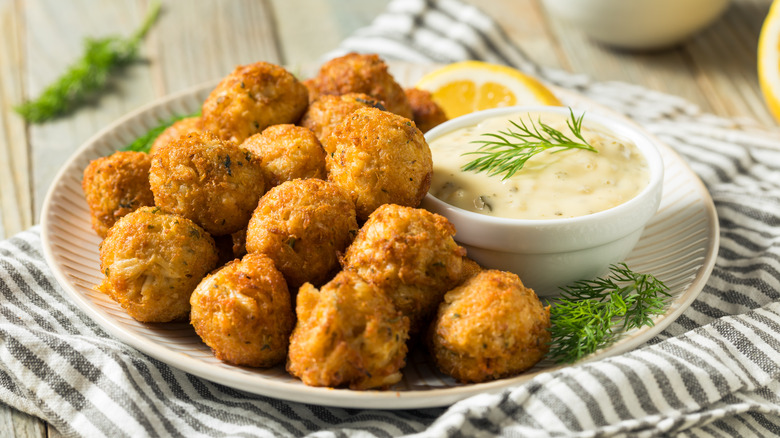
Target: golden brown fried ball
column 427, row 113
column 244, row 313
column 251, row 98
column 302, row 225
column 469, row 269
column 379, row 158
column 311, row 87
column 489, row 327
column 115, row 186
column 288, row 152
column 239, row 243
column 176, row 130
column 410, row 254
column 152, row 262
column 224, row 245
column 214, row 183
column 347, row 334
column 362, row 73
column 329, row 110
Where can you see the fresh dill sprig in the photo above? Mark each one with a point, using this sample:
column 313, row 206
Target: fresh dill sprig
column 145, row 142
column 592, row 314
column 88, row 74
column 509, row 150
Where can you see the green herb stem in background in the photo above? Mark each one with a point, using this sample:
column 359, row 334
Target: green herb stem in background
column 145, row 142
column 592, row 314
column 509, row 150
column 88, row 75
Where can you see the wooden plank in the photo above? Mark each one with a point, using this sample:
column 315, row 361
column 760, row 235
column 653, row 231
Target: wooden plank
column 20, row 425
column 525, row 23
column 198, row 41
column 666, row 70
column 16, row 209
column 304, row 38
column 715, row 69
column 726, row 60
column 55, row 41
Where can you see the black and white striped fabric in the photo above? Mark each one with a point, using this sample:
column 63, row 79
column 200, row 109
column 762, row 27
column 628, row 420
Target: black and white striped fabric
column 715, row 372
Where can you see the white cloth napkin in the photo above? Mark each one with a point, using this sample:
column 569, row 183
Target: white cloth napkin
column 714, row 372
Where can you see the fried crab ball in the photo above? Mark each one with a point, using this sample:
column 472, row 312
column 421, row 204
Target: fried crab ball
column 379, row 158
column 251, row 98
column 214, row 183
column 244, row 313
column 362, row 73
column 329, row 110
column 176, row 130
column 115, row 186
column 303, row 225
column 427, row 113
column 239, row 243
column 488, row 328
column 311, row 87
column 152, row 262
column 409, row 253
column 347, row 334
column 288, row 152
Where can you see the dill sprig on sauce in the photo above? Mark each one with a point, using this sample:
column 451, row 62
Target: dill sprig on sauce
column 87, row 75
column 508, row 151
column 592, row 314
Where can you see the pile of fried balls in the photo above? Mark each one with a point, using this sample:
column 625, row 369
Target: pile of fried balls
column 283, row 223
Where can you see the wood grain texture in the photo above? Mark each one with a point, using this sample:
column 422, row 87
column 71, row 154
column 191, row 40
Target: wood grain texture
column 715, row 69
column 202, row 40
column 17, row 424
column 198, row 41
column 51, row 52
column 308, row 30
column 15, row 197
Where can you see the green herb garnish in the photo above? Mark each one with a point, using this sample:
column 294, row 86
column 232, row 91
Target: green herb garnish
column 592, row 314
column 144, row 143
column 509, row 150
column 87, row 75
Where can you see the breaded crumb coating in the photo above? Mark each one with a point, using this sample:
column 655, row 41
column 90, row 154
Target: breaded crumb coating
column 410, row 254
column 287, row 152
column 379, row 158
column 177, row 129
column 347, row 334
column 244, row 313
column 328, row 111
column 362, row 73
column 252, row 98
column 303, row 225
column 152, row 262
column 210, row 181
column 427, row 114
column 115, row 186
column 488, row 328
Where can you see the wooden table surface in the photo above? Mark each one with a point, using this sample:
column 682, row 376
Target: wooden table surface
column 200, row 40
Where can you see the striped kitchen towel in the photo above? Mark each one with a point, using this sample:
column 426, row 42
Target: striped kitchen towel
column 714, row 372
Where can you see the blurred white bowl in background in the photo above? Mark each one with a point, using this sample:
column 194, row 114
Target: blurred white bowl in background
column 637, row 24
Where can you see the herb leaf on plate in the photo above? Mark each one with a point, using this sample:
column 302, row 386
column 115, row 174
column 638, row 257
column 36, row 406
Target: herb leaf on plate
column 592, row 314
column 144, row 143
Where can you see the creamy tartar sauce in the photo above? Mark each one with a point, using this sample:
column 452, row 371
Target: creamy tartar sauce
column 551, row 185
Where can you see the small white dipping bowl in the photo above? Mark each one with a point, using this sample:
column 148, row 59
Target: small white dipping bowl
column 550, row 253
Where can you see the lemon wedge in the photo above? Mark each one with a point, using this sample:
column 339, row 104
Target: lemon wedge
column 769, row 59
column 469, row 86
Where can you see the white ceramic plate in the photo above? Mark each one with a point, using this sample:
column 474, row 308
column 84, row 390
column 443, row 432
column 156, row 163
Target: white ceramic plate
column 679, row 246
